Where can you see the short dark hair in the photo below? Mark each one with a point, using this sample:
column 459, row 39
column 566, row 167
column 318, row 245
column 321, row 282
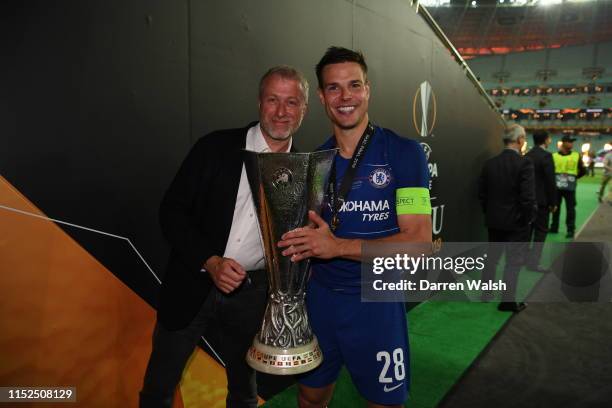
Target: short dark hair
column 337, row 55
column 539, row 137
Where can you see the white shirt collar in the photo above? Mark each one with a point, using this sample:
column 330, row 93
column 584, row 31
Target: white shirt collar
column 256, row 142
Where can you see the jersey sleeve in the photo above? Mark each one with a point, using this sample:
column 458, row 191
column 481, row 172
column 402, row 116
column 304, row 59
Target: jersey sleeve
column 412, row 177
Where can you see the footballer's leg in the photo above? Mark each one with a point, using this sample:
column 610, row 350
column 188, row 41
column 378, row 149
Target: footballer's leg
column 376, row 353
column 317, row 386
column 311, row 397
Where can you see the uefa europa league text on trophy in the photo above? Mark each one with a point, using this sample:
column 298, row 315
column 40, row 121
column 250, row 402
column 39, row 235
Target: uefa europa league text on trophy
column 285, row 187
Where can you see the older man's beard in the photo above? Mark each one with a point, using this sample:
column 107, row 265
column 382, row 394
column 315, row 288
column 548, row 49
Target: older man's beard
column 280, row 136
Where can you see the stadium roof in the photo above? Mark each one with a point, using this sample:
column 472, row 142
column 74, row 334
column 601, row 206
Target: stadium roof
column 486, row 27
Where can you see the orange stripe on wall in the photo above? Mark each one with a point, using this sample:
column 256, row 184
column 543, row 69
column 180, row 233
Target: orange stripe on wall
column 65, row 320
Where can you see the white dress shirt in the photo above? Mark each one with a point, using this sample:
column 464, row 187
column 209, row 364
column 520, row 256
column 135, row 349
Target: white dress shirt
column 244, row 244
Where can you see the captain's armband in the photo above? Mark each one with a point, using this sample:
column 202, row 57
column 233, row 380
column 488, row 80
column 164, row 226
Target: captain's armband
column 412, row 200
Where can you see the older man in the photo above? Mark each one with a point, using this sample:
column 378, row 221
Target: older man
column 215, row 282
column 506, row 191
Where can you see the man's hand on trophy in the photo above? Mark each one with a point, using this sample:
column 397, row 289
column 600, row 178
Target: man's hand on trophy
column 226, row 273
column 315, row 240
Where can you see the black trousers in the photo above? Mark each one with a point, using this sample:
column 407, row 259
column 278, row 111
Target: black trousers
column 570, row 209
column 232, row 322
column 537, row 234
column 515, row 250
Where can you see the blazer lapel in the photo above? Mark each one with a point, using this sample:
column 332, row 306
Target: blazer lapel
column 233, row 161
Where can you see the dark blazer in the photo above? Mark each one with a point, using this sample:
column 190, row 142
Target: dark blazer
column 544, row 169
column 196, row 216
column 507, row 192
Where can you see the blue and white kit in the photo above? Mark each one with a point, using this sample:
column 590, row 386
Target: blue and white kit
column 371, row 339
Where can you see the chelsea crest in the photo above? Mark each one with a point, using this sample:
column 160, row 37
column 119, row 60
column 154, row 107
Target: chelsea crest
column 380, row 177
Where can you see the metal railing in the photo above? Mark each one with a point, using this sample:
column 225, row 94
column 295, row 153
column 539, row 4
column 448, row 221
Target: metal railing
column 422, row 11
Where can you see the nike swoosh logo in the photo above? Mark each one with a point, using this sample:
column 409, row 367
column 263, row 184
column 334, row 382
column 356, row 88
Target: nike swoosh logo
column 392, row 388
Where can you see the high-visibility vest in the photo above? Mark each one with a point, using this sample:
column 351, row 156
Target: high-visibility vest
column 566, row 170
column 567, row 164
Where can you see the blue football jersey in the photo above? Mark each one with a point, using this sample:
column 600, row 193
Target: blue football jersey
column 392, row 179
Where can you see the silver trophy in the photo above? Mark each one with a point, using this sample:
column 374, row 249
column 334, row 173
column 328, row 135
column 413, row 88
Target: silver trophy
column 285, row 186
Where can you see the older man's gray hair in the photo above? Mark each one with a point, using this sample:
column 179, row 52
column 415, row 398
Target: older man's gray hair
column 286, row 72
column 513, row 132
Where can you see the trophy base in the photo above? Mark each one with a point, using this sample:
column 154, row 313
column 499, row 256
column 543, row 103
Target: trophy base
column 273, row 360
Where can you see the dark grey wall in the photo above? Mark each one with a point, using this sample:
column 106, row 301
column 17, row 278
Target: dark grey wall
column 100, row 101
column 97, row 118
column 233, row 42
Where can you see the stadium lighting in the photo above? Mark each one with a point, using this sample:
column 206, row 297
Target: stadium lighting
column 549, row 2
column 434, row 3
column 585, row 159
column 528, row 3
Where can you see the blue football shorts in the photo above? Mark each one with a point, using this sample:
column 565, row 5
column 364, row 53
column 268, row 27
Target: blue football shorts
column 370, row 339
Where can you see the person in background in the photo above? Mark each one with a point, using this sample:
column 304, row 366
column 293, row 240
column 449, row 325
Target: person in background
column 607, row 162
column 568, row 169
column 544, row 169
column 591, row 166
column 506, row 191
